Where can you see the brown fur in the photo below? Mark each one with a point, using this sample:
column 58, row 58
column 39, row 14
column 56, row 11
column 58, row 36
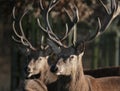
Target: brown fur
column 80, row 82
column 34, row 85
column 39, row 66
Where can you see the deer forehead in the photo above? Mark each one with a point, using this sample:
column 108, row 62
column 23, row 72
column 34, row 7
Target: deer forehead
column 68, row 59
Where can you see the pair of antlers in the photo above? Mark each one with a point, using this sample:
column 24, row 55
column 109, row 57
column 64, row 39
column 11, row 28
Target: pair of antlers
column 111, row 12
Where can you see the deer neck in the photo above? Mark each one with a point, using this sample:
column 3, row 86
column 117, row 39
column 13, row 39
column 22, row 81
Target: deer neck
column 77, row 71
column 44, row 71
column 47, row 76
column 78, row 80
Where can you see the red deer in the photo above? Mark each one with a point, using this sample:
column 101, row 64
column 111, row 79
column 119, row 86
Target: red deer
column 39, row 59
column 69, row 62
column 40, row 65
column 30, row 85
column 27, row 43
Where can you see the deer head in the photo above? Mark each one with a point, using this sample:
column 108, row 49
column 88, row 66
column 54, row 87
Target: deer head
column 37, row 57
column 68, row 57
column 67, row 62
column 35, row 66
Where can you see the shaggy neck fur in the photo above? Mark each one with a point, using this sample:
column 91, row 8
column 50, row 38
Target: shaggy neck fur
column 46, row 76
column 78, row 81
column 81, row 82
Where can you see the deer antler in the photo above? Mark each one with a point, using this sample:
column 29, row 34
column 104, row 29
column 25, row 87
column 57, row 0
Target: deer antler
column 48, row 28
column 73, row 20
column 112, row 13
column 22, row 38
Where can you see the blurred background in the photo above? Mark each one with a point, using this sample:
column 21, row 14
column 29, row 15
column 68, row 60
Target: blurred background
column 102, row 52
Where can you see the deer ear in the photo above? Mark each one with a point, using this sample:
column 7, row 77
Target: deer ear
column 80, row 47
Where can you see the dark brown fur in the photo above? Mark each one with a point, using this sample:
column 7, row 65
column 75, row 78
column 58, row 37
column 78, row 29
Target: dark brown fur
column 103, row 72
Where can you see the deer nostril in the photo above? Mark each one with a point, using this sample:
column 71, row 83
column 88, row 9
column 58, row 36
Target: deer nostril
column 53, row 68
column 28, row 69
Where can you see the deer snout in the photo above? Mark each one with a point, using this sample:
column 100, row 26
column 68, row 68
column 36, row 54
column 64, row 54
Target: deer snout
column 54, row 68
column 29, row 72
column 28, row 69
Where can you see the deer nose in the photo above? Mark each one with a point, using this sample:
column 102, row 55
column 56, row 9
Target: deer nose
column 53, row 68
column 28, row 69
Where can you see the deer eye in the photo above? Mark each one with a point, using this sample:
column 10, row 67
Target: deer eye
column 40, row 58
column 71, row 57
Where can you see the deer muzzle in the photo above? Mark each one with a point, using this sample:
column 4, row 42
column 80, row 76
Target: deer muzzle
column 54, row 68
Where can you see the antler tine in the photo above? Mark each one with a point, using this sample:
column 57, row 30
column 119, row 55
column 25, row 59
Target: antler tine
column 116, row 8
column 46, row 12
column 52, row 4
column 75, row 13
column 13, row 12
column 105, row 7
column 20, row 23
column 97, row 33
column 41, row 6
column 51, row 36
column 22, row 37
column 112, row 13
column 74, row 20
column 113, row 5
column 48, row 28
column 15, row 33
column 14, row 29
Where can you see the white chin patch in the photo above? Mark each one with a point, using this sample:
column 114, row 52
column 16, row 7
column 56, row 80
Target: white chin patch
column 58, row 73
column 30, row 75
